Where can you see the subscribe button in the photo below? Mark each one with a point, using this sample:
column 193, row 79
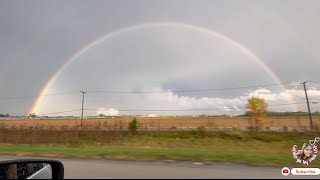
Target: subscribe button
column 305, row 171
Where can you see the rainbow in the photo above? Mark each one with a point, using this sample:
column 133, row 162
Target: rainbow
column 109, row 35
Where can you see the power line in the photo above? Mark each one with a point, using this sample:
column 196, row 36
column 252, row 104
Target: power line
column 61, row 112
column 181, row 91
column 286, row 104
column 15, row 102
column 146, row 92
column 34, row 96
column 314, row 82
column 176, row 110
column 201, row 109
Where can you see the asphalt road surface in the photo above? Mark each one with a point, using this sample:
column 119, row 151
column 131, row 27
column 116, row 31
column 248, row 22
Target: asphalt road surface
column 105, row 169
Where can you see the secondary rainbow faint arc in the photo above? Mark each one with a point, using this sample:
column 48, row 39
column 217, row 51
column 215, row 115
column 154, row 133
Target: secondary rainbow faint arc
column 105, row 37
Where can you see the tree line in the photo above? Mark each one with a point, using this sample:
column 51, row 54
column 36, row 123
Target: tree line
column 4, row 115
column 288, row 113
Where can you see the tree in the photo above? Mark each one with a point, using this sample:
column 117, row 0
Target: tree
column 4, row 115
column 33, row 115
column 133, row 127
column 257, row 108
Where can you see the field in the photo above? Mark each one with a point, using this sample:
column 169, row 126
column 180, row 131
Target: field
column 109, row 139
column 166, row 122
column 251, row 147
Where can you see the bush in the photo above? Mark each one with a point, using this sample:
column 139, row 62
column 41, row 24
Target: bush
column 267, row 136
column 133, row 126
column 202, row 132
column 235, row 135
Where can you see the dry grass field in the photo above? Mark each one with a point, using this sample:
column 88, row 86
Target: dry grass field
column 160, row 122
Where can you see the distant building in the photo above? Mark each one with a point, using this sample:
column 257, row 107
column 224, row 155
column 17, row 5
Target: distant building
column 152, row 115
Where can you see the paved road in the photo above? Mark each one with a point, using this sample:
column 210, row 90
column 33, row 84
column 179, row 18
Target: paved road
column 105, row 169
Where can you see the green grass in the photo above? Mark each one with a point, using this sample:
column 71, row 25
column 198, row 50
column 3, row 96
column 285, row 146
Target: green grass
column 150, row 154
column 255, row 148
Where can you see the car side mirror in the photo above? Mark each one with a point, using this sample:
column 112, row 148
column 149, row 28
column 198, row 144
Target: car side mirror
column 31, row 169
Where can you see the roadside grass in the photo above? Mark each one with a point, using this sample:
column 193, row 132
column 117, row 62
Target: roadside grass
column 148, row 154
column 252, row 147
column 271, row 159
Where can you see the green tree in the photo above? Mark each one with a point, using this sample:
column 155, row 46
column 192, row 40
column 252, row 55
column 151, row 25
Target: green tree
column 257, row 108
column 33, row 115
column 133, row 126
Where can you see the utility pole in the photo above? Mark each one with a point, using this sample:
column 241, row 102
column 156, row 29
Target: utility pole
column 305, row 90
column 82, row 106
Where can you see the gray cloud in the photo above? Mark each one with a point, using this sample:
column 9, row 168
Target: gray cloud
column 39, row 36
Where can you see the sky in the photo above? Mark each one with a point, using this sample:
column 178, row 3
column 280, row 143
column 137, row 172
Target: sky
column 161, row 57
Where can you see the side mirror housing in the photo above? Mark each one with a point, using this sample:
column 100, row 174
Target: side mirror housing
column 31, row 169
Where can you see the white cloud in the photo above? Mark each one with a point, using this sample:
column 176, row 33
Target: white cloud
column 236, row 108
column 295, row 84
column 225, row 108
column 314, row 93
column 168, row 100
column 288, row 97
column 152, row 115
column 262, row 91
column 108, row 112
